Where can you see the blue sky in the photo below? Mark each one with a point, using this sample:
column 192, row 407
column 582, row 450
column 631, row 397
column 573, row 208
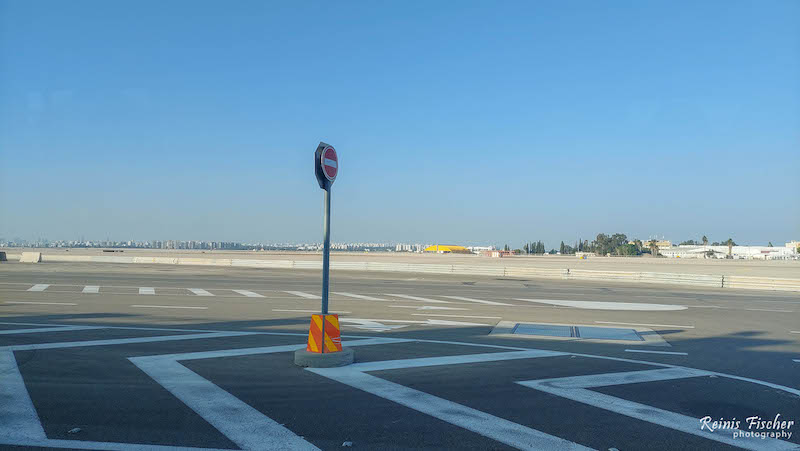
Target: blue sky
column 463, row 122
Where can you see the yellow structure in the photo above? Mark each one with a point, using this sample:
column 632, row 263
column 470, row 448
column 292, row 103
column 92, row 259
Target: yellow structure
column 447, row 249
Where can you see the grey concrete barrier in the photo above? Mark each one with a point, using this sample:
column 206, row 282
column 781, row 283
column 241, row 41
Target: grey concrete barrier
column 761, row 283
column 31, row 257
column 705, row 280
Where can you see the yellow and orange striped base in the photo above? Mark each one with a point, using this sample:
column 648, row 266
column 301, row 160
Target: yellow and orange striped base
column 332, row 340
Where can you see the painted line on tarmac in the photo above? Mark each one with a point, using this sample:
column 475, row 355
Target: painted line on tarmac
column 768, row 310
column 417, row 298
column 361, row 296
column 123, row 341
column 796, row 360
column 427, row 307
column 242, row 424
column 39, row 303
column 306, row 311
column 602, row 305
column 303, row 295
column 249, row 294
column 479, row 301
column 39, row 287
column 91, row 289
column 656, row 352
column 794, row 331
column 239, row 422
column 482, row 423
column 577, row 388
column 47, row 329
column 458, row 316
column 644, row 324
column 708, row 306
column 200, row 292
column 18, row 417
column 169, row 306
column 147, row 290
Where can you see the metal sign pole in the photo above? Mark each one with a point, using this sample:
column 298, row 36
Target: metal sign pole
column 326, row 250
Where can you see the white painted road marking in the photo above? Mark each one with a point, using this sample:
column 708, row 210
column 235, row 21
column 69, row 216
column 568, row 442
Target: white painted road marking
column 361, row 296
column 39, row 303
column 482, row 423
column 644, row 324
column 479, row 301
column 656, row 352
column 599, row 305
column 303, row 295
column 170, row 306
column 796, row 360
column 123, row 341
column 18, row 417
column 46, row 329
column 306, row 311
column 249, row 294
column 427, row 307
column 417, row 298
column 242, row 424
column 577, row 388
column 39, row 287
column 458, row 316
column 768, row 310
column 147, row 290
column 200, row 292
column 429, row 322
column 91, row 289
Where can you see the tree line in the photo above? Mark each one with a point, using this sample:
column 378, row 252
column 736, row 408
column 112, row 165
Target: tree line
column 613, row 244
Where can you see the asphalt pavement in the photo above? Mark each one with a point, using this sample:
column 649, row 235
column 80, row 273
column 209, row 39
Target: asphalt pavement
column 119, row 357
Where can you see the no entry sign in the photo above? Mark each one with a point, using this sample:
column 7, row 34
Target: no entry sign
column 330, row 163
column 326, row 165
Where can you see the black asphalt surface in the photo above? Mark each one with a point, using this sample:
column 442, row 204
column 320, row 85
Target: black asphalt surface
column 89, row 379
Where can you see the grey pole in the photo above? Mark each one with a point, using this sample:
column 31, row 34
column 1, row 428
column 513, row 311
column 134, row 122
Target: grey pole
column 326, row 251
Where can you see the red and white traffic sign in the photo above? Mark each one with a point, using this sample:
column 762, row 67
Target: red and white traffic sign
column 330, row 163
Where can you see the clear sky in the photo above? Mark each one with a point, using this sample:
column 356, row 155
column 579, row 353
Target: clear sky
column 461, row 122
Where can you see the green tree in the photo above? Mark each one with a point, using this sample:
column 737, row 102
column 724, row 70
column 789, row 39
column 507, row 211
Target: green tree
column 770, row 244
column 526, row 248
column 505, row 248
column 653, row 248
column 705, row 240
column 626, row 249
column 730, row 244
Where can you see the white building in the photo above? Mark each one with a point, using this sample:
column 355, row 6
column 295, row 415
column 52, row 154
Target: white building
column 737, row 252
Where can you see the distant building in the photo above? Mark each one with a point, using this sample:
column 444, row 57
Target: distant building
column 447, row 249
column 497, row 254
column 736, row 252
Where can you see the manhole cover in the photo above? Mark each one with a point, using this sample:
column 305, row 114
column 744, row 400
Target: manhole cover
column 543, row 329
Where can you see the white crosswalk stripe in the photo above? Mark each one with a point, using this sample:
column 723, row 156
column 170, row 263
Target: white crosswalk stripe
column 39, row 287
column 91, row 289
column 200, row 292
column 417, row 298
column 147, row 290
column 361, row 296
column 249, row 294
column 479, row 301
column 303, row 295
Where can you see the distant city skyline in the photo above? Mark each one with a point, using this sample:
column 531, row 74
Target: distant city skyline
column 468, row 122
